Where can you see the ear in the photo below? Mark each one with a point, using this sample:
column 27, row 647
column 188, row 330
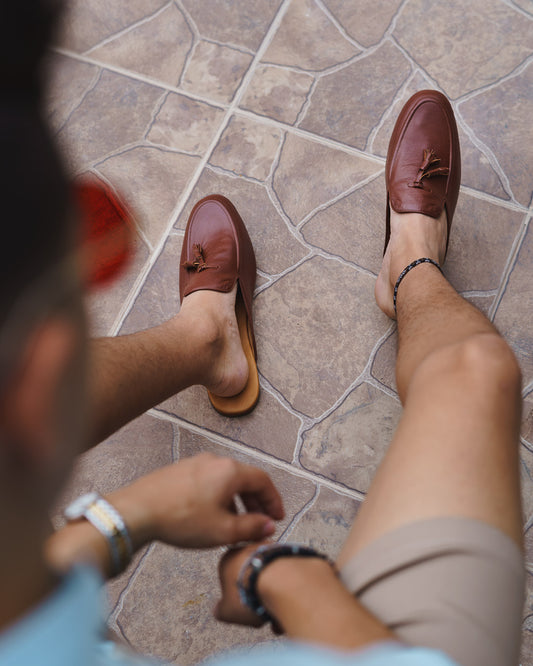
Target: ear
column 29, row 409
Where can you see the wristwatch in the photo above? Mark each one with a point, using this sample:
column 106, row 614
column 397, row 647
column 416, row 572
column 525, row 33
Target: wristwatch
column 108, row 522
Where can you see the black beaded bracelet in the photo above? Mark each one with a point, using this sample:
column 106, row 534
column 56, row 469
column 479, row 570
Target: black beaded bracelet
column 264, row 555
column 413, row 264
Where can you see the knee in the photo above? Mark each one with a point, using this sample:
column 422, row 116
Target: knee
column 483, row 361
column 488, row 357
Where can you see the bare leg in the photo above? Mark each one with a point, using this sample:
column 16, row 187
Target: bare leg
column 132, row 373
column 455, row 451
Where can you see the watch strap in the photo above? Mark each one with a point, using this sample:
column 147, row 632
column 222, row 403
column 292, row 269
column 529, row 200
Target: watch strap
column 108, row 521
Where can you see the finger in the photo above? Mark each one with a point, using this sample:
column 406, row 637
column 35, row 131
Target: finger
column 251, row 503
column 218, row 611
column 248, row 527
column 227, row 613
column 251, row 482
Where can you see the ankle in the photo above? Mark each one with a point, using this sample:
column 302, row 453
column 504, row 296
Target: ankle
column 414, row 236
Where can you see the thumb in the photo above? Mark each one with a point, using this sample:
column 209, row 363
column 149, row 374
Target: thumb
column 252, row 527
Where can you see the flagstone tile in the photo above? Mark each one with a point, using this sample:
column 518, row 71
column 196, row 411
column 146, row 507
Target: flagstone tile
column 353, row 227
column 156, row 48
column 366, row 20
column 481, row 240
column 270, row 428
column 247, row 148
column 277, row 92
column 240, row 22
column 501, row 118
column 340, row 110
column 459, row 57
column 511, row 318
column 326, row 524
column 88, row 22
column 185, row 124
column 152, row 180
column 310, row 175
column 276, row 248
column 69, row 81
column 308, row 305
column 113, row 113
column 350, row 443
column 215, row 71
column 307, row 39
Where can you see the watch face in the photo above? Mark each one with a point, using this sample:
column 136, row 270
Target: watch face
column 78, row 507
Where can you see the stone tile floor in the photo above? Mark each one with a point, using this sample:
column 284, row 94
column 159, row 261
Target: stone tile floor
column 286, row 107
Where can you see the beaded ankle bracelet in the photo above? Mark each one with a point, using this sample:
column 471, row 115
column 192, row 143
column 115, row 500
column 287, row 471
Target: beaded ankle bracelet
column 413, row 264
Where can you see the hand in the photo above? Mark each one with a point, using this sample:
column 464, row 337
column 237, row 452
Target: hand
column 191, row 503
column 230, row 607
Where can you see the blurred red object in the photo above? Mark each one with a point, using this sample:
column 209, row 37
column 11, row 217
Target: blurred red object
column 107, row 232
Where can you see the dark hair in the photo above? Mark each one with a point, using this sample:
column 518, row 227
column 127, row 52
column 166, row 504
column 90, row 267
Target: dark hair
column 26, row 31
column 34, row 191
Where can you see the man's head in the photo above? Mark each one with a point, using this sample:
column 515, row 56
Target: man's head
column 41, row 325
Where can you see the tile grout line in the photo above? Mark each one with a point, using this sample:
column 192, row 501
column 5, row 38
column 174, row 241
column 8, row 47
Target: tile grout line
column 130, row 74
column 257, row 454
column 113, row 616
column 128, row 28
column 78, row 101
column 298, row 515
column 276, row 22
column 138, row 228
column 517, row 8
column 339, row 197
column 306, row 134
column 509, row 265
column 143, row 274
column 338, row 25
column 516, row 71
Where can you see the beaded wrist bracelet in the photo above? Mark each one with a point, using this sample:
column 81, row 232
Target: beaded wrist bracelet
column 256, row 563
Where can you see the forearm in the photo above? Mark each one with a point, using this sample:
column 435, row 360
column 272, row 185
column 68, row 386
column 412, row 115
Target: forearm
column 311, row 604
column 187, row 504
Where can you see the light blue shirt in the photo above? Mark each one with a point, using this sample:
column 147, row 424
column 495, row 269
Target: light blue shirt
column 67, row 629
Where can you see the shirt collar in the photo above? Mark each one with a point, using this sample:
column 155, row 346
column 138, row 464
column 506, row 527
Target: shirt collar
column 61, row 631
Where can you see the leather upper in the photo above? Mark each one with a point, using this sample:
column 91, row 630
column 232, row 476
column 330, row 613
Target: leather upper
column 423, row 170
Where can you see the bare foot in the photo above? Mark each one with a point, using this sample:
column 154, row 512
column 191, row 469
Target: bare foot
column 413, row 236
column 212, row 316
